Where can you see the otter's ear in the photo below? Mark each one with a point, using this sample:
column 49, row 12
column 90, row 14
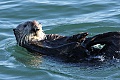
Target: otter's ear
column 14, row 29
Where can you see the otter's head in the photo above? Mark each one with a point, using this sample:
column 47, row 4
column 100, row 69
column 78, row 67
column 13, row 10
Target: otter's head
column 28, row 31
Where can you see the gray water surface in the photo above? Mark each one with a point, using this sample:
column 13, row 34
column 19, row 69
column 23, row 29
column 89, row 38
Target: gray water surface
column 64, row 17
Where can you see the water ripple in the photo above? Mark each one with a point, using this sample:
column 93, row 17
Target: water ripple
column 61, row 17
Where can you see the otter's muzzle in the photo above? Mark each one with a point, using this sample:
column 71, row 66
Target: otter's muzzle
column 35, row 29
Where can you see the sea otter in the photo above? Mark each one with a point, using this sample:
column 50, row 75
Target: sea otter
column 72, row 48
column 31, row 36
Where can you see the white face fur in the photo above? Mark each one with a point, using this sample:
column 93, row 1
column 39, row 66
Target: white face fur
column 29, row 31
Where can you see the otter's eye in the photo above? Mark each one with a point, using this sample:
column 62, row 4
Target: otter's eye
column 35, row 29
column 25, row 25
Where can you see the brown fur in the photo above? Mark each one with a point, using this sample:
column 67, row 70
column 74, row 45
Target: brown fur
column 73, row 48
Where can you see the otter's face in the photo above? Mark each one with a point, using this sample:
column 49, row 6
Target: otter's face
column 28, row 31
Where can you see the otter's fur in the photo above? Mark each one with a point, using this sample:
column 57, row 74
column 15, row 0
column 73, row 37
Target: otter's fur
column 74, row 48
column 28, row 32
column 31, row 36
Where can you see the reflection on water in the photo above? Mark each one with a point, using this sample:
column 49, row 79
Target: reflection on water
column 60, row 17
column 23, row 56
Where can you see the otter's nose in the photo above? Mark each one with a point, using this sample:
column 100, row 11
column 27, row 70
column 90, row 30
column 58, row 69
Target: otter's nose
column 35, row 29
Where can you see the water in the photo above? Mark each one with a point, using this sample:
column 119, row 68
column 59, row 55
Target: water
column 64, row 17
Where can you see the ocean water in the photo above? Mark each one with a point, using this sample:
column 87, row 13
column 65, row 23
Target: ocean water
column 64, row 17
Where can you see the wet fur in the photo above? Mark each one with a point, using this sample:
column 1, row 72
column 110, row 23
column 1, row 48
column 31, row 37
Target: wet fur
column 73, row 48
